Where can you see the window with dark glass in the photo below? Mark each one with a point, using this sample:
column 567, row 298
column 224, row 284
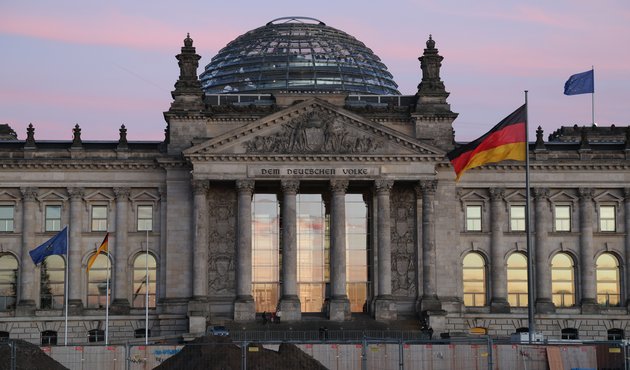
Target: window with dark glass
column 145, row 218
column 4, row 335
column 517, row 280
column 99, row 218
column 8, row 281
column 144, row 265
column 562, row 217
column 141, row 333
column 473, row 218
column 517, row 218
column 52, row 282
column 474, row 280
column 96, row 335
column 570, row 333
column 49, row 338
column 98, row 276
column 563, row 280
column 6, row 218
column 53, row 218
column 616, row 334
column 608, row 281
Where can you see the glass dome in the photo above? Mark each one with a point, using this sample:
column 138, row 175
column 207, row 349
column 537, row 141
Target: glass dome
column 297, row 54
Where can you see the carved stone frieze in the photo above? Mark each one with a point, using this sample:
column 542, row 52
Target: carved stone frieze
column 402, row 238
column 314, row 132
column 221, row 240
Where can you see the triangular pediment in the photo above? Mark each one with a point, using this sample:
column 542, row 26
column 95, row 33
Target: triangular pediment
column 313, row 127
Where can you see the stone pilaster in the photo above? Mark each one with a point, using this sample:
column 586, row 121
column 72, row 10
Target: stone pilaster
column 385, row 307
column 544, row 303
column 120, row 304
column 244, row 308
column 75, row 303
column 26, row 304
column 339, row 305
column 626, row 220
column 430, row 301
column 587, row 253
column 289, row 301
column 498, row 272
column 200, row 243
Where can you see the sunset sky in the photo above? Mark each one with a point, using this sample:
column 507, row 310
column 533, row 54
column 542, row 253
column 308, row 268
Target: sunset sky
column 102, row 64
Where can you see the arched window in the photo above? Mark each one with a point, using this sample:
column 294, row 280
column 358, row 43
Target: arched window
column 474, row 280
column 8, row 281
column 517, row 280
column 570, row 333
column 49, row 338
column 563, row 280
column 141, row 265
column 52, row 283
column 608, row 287
column 97, row 282
column 96, row 335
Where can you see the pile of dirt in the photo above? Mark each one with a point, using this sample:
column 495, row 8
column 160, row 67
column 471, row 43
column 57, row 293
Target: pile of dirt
column 27, row 357
column 217, row 353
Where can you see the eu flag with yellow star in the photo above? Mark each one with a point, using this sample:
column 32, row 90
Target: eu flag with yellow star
column 58, row 244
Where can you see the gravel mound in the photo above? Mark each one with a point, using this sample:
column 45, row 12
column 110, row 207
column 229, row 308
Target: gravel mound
column 28, row 357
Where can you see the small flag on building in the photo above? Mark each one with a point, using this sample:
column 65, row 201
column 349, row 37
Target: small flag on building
column 58, row 244
column 504, row 141
column 101, row 249
column 580, row 83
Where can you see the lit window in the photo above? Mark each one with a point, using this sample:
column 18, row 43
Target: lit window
column 8, row 281
column 474, row 279
column 141, row 266
column 49, row 338
column 265, row 252
column 53, row 218
column 99, row 218
column 6, row 218
column 607, row 218
column 97, row 282
column 473, row 218
column 563, row 280
column 145, row 218
column 608, row 288
column 357, row 281
column 517, row 280
column 562, row 216
column 517, row 218
column 52, row 282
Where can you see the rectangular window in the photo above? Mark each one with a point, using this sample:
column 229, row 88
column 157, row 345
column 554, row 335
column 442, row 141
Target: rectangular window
column 517, row 218
column 607, row 218
column 562, row 216
column 145, row 218
column 6, row 218
column 473, row 218
column 53, row 218
column 99, row 218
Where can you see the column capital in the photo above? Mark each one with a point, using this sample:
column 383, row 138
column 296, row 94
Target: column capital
column 426, row 187
column 29, row 194
column 76, row 193
column 245, row 186
column 586, row 193
column 383, row 186
column 496, row 193
column 122, row 193
column 339, row 186
column 290, row 186
column 200, row 186
column 540, row 193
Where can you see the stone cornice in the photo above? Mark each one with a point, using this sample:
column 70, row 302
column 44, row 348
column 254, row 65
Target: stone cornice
column 78, row 165
column 600, row 166
column 206, row 157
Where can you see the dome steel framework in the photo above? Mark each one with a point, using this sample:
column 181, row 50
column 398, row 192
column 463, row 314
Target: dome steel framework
column 297, row 54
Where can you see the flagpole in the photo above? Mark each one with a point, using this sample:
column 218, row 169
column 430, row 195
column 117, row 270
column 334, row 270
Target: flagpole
column 530, row 250
column 65, row 336
column 107, row 301
column 146, row 287
column 593, row 97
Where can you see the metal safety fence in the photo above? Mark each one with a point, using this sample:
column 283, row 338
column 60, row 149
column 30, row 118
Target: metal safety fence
column 336, row 351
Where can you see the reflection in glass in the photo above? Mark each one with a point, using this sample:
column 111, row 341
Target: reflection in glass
column 562, row 280
column 52, row 283
column 140, row 280
column 8, row 281
column 265, row 252
column 517, row 280
column 474, row 280
column 97, row 282
column 356, row 252
column 608, row 287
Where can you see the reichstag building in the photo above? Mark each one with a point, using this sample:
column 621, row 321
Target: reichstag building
column 294, row 177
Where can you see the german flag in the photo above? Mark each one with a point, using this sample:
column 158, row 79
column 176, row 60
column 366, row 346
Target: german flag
column 504, row 141
column 101, row 249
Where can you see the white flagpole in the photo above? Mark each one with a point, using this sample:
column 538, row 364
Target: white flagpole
column 530, row 250
column 65, row 336
column 146, row 287
column 107, row 300
column 593, row 96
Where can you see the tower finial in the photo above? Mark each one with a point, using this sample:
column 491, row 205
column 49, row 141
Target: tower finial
column 188, row 42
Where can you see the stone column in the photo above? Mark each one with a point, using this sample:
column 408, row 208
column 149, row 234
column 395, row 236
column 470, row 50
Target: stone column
column 26, row 304
column 75, row 303
column 626, row 220
column 385, row 307
column 244, row 307
column 587, row 253
column 542, row 272
column 290, row 301
column 498, row 271
column 200, row 242
column 120, row 304
column 339, row 306
column 430, row 301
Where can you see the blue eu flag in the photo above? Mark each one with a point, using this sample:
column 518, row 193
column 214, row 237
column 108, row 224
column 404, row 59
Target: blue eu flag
column 580, row 83
column 58, row 244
